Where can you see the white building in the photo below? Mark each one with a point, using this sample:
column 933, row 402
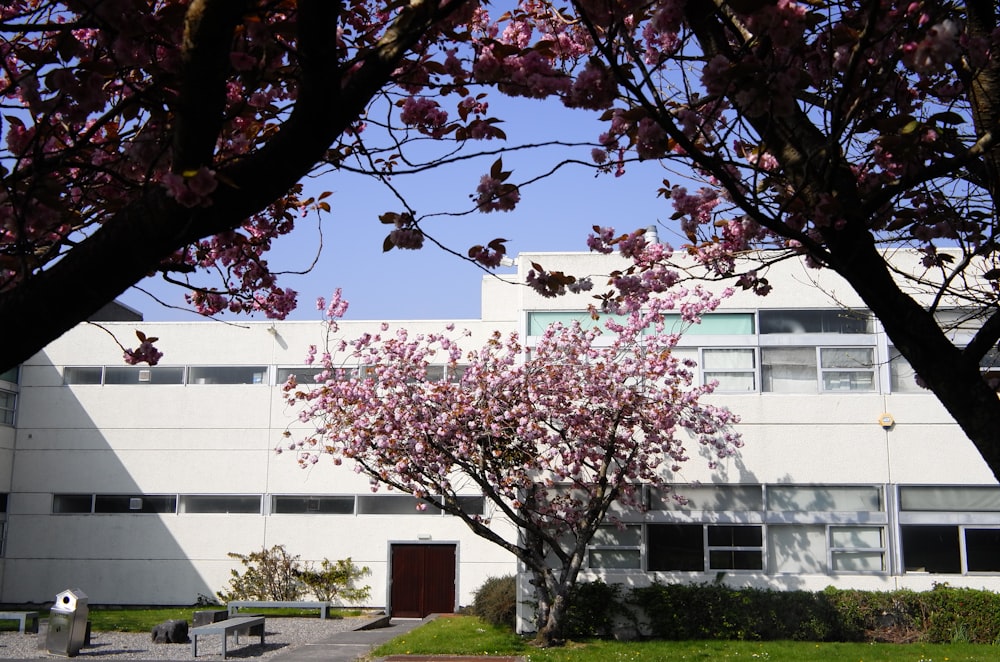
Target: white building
column 133, row 483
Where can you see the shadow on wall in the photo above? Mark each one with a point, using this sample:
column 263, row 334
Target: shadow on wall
column 93, row 503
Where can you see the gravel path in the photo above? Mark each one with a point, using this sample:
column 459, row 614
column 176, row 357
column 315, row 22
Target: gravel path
column 281, row 636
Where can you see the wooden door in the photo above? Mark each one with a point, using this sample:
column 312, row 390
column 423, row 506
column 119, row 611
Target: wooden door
column 423, row 580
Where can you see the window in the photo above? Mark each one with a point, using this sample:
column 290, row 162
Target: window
column 733, row 369
column 230, row 374
column 309, row 505
column 614, row 548
column 708, row 497
column 982, row 550
column 815, row 321
column 735, row 548
column 474, row 505
column 8, row 405
column 931, row 549
column 136, row 375
column 788, row 370
column 456, row 372
column 72, row 503
column 690, row 546
column 83, row 374
column 863, row 498
column 857, row 549
column 3, row 502
column 902, row 377
column 303, row 375
column 675, row 547
column 126, row 503
column 982, row 499
column 848, row 368
column 220, row 503
column 9, row 375
column 402, row 504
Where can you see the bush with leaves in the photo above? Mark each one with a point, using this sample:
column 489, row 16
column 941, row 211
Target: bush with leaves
column 335, row 581
column 496, row 601
column 270, row 574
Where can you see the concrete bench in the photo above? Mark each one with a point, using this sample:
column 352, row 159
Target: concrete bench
column 28, row 620
column 236, row 605
column 225, row 628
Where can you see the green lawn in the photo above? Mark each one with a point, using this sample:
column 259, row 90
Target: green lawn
column 465, row 635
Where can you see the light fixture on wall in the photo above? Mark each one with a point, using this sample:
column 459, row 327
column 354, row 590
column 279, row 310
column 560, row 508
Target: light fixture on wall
column 886, row 421
column 423, row 536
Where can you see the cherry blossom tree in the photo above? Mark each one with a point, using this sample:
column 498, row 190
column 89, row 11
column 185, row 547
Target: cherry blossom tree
column 551, row 439
column 169, row 137
column 837, row 132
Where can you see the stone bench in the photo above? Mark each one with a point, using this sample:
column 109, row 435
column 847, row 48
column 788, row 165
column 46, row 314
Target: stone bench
column 27, row 620
column 236, row 605
column 225, row 628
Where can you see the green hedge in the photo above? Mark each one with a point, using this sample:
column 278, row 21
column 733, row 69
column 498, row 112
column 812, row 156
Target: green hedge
column 715, row 611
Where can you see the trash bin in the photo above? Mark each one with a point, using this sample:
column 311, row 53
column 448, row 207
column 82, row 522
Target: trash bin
column 67, row 623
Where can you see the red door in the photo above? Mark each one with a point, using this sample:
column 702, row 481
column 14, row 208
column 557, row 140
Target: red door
column 423, row 580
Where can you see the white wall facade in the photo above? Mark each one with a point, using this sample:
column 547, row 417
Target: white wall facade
column 824, row 492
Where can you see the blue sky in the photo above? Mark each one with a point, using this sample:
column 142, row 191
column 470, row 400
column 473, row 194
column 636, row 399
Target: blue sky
column 554, row 215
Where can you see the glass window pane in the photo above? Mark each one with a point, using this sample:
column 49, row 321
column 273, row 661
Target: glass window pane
column 630, row 536
column 848, row 381
column 149, row 375
column 72, row 503
column 724, row 559
column 715, row 324
column 728, row 359
column 823, row 499
column 902, row 377
column 230, row 374
column 130, row 503
column 614, row 558
column 675, row 547
column 815, row 321
column 324, row 505
column 931, row 549
column 83, row 375
column 403, row 504
column 800, row 549
column 220, row 503
column 8, row 404
column 9, row 375
column 983, row 499
column 704, row 497
column 858, row 561
column 474, row 505
column 856, row 536
column 788, row 369
column 982, row 550
column 847, row 357
column 735, row 536
column 539, row 321
column 303, row 375
column 732, row 382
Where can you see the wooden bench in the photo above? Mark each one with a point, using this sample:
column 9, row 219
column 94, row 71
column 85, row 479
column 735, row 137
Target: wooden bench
column 28, row 620
column 225, row 628
column 236, row 605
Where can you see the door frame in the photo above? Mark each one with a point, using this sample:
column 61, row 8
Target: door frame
column 388, row 579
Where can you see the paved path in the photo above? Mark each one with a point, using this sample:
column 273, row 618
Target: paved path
column 350, row 645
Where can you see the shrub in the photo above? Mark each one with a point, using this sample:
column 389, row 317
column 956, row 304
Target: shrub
column 715, row 611
column 593, row 610
column 496, row 601
column 270, row 574
column 336, row 581
column 274, row 574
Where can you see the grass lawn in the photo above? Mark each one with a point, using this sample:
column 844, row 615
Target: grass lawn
column 138, row 619
column 466, row 635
